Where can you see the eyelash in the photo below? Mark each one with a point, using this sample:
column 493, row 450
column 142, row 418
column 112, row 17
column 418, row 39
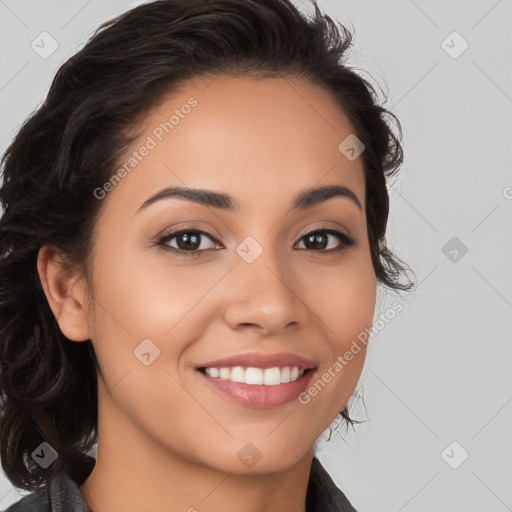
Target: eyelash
column 346, row 241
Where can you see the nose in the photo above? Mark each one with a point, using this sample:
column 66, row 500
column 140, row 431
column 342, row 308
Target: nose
column 264, row 296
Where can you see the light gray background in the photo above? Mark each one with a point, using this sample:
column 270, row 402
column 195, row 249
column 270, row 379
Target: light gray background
column 441, row 370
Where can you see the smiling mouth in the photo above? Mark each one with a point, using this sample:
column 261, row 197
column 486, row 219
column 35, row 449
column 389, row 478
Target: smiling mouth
column 257, row 388
column 254, row 376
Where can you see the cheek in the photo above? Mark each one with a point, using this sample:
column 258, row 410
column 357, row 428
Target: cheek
column 344, row 299
column 137, row 301
column 143, row 299
column 142, row 315
column 346, row 309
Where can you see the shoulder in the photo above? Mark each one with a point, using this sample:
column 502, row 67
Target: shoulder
column 323, row 495
column 35, row 502
column 62, row 494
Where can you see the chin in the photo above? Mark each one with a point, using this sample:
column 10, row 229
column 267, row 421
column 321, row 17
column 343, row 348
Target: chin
column 249, row 458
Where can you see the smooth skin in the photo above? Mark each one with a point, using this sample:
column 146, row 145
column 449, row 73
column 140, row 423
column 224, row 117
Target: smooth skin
column 167, row 442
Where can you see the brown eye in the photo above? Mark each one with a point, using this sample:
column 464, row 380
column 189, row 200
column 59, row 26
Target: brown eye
column 189, row 242
column 318, row 240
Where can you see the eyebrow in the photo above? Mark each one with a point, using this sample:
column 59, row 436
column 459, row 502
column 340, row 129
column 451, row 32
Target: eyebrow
column 305, row 199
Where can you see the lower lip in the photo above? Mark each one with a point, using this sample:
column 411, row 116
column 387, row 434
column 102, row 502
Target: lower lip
column 259, row 396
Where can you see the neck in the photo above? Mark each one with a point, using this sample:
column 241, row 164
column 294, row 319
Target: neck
column 135, row 472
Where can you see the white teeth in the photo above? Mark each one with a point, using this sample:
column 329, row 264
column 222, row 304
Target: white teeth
column 271, row 376
column 254, row 376
column 257, row 376
column 214, row 372
column 237, row 374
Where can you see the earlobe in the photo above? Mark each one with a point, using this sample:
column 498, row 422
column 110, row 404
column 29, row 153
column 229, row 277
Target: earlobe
column 64, row 293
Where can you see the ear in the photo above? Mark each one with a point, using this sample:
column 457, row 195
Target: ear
column 65, row 294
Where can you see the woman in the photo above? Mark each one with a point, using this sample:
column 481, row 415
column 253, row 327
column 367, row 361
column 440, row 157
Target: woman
column 193, row 232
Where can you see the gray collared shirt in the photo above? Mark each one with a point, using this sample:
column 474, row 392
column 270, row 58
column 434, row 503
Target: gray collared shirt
column 63, row 494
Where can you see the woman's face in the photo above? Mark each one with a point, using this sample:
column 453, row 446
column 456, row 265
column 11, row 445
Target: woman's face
column 257, row 285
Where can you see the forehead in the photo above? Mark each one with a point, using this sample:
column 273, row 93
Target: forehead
column 262, row 141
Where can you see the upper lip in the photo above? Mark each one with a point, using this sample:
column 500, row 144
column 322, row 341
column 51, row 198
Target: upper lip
column 260, row 360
